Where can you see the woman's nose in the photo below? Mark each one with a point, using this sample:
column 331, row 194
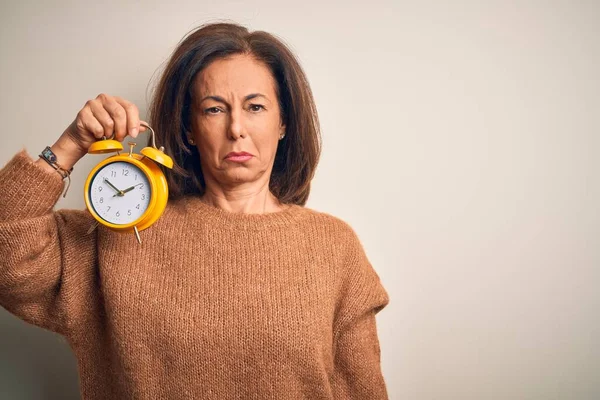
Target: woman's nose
column 236, row 127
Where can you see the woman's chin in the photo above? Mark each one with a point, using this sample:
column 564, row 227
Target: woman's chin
column 239, row 176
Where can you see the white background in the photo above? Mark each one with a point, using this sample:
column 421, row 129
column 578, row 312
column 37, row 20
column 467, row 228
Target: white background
column 460, row 141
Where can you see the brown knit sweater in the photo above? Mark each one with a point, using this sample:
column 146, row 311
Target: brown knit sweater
column 211, row 305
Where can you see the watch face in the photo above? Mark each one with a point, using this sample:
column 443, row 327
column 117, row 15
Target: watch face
column 120, row 192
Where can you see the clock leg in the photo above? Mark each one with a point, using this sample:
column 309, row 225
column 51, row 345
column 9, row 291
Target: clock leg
column 137, row 234
column 93, row 226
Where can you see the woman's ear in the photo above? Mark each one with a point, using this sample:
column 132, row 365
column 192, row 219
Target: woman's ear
column 190, row 138
column 282, row 131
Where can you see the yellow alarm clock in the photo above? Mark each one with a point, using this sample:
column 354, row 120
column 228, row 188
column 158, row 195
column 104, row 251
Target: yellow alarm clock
column 127, row 192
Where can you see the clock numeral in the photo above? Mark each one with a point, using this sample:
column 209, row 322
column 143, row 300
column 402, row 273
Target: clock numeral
column 141, row 186
column 113, row 174
column 108, row 209
column 128, row 212
column 138, row 206
column 125, row 172
column 135, row 178
column 100, row 188
column 101, row 199
column 118, row 214
column 143, row 196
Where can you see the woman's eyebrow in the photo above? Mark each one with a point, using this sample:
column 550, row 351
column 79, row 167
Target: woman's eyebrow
column 222, row 100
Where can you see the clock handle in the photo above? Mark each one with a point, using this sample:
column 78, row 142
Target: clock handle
column 152, row 132
column 154, row 153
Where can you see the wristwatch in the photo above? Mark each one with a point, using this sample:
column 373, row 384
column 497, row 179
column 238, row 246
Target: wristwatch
column 48, row 155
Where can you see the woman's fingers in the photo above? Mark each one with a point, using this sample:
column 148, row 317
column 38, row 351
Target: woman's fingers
column 102, row 117
column 118, row 115
column 87, row 122
column 132, row 125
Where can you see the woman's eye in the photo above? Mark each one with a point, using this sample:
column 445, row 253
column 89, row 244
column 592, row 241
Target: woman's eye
column 256, row 107
column 212, row 110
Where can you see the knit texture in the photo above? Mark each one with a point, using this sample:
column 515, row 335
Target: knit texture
column 211, row 305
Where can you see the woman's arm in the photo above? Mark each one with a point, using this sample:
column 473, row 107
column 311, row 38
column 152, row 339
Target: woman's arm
column 45, row 256
column 357, row 364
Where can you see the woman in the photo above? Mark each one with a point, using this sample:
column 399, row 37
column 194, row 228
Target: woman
column 238, row 290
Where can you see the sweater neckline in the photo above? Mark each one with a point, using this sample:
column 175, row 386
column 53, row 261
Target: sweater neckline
column 231, row 220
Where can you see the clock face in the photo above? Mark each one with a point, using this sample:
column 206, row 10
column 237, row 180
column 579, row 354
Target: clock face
column 120, row 192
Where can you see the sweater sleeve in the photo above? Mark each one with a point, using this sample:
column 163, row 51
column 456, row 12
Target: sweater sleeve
column 357, row 367
column 42, row 252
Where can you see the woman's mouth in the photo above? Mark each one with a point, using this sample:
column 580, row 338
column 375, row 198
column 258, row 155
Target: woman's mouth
column 238, row 156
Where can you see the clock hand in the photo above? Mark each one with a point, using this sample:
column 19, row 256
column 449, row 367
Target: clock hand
column 129, row 189
column 120, row 192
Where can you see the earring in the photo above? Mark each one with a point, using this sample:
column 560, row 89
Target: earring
column 191, row 141
column 282, row 136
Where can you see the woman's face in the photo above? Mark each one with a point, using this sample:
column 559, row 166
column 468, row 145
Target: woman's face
column 235, row 109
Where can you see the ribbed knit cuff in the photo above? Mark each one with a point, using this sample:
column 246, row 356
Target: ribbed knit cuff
column 27, row 189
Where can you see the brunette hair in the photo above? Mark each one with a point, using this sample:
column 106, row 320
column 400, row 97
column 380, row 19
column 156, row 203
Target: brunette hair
column 297, row 153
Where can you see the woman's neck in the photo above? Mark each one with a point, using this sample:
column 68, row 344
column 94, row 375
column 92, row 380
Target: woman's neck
column 247, row 201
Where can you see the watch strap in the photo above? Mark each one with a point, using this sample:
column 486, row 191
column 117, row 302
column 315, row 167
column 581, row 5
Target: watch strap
column 48, row 155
